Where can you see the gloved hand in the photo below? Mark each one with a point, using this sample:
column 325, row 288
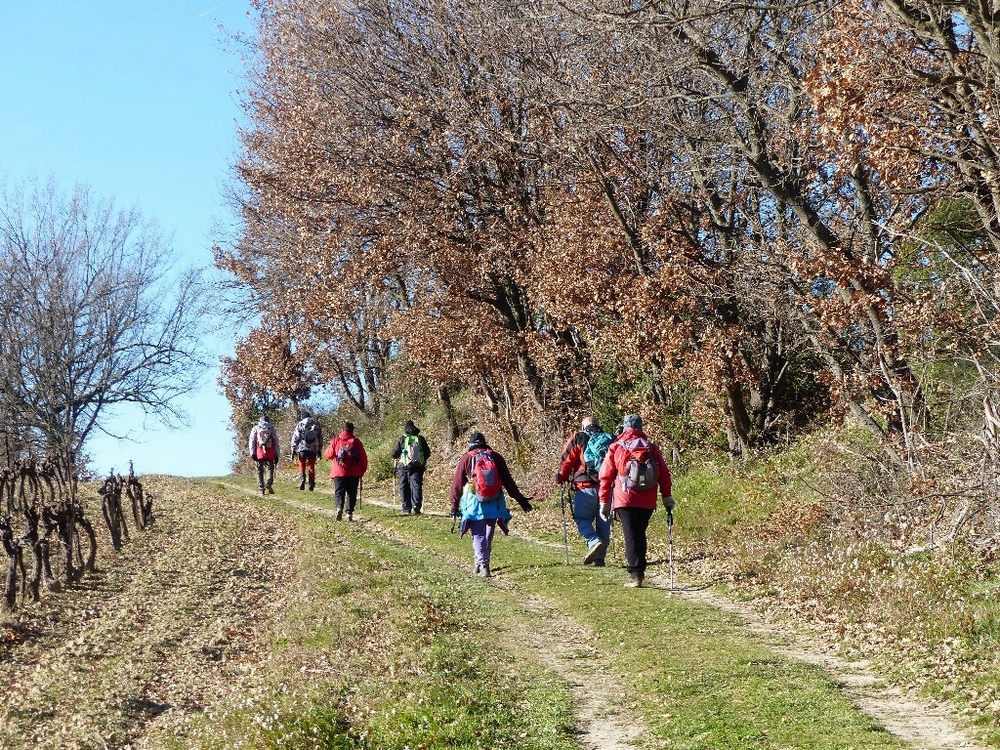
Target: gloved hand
column 455, row 511
column 525, row 504
column 558, row 480
column 668, row 503
column 605, row 511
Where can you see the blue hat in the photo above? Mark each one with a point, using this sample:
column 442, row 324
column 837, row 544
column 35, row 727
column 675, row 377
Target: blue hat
column 632, row 421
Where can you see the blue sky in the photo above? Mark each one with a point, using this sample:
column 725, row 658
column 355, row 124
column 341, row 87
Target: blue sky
column 138, row 100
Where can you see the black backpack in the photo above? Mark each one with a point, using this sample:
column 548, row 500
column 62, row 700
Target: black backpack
column 310, row 435
column 348, row 455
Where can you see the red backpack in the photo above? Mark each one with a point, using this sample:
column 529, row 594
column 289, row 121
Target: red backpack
column 265, row 444
column 485, row 475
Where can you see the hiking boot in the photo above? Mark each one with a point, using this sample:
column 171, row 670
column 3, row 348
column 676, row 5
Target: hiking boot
column 340, row 514
column 593, row 552
column 635, row 582
column 312, row 487
column 263, row 491
column 350, row 516
column 483, row 571
column 302, row 482
column 270, row 490
column 598, row 563
column 416, row 511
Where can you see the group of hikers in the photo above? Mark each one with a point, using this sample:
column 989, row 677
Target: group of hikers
column 346, row 453
column 620, row 475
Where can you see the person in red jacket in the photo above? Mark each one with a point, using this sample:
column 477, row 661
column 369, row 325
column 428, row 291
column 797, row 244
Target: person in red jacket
column 581, row 461
column 632, row 471
column 477, row 495
column 350, row 462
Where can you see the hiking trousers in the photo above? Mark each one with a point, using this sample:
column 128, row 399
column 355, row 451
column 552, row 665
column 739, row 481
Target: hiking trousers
column 482, row 539
column 635, row 522
column 588, row 519
column 265, row 465
column 346, row 487
column 411, row 490
column 307, row 467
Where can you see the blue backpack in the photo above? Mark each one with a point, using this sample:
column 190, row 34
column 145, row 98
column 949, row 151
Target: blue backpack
column 594, row 452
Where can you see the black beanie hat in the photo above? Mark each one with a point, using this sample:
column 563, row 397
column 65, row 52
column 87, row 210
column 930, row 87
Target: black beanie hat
column 477, row 440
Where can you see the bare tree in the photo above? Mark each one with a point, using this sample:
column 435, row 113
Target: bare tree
column 92, row 314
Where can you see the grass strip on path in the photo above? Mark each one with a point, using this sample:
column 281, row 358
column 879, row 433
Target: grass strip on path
column 696, row 678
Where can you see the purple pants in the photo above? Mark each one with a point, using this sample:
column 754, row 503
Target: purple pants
column 482, row 539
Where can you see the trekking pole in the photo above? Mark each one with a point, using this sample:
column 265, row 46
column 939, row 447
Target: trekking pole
column 611, row 536
column 562, row 505
column 399, row 484
column 670, row 546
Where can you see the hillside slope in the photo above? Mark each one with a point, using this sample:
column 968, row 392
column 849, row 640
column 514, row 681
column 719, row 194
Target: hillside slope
column 261, row 622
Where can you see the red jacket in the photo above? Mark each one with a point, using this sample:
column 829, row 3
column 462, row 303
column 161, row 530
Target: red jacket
column 573, row 466
column 357, row 468
column 613, row 470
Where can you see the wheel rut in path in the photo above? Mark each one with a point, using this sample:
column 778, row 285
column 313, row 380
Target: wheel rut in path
column 924, row 724
column 565, row 646
column 560, row 644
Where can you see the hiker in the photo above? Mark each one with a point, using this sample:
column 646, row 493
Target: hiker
column 629, row 477
column 581, row 461
column 477, row 497
column 263, row 447
column 350, row 462
column 307, row 439
column 411, row 454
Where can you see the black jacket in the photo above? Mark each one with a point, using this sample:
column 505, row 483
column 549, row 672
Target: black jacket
column 397, row 451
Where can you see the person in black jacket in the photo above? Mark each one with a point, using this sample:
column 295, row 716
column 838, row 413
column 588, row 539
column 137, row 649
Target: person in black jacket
column 411, row 454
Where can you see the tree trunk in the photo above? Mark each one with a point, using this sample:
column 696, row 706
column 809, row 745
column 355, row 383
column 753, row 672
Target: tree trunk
column 451, row 421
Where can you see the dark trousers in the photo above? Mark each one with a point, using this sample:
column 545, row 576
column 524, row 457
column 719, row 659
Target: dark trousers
column 634, row 522
column 411, row 489
column 346, row 486
column 265, row 464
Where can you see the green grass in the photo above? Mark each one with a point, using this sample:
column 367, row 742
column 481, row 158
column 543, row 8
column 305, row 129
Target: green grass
column 435, row 660
column 403, row 649
column 698, row 680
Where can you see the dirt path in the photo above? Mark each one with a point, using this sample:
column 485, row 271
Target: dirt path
column 561, row 644
column 216, row 594
column 923, row 724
